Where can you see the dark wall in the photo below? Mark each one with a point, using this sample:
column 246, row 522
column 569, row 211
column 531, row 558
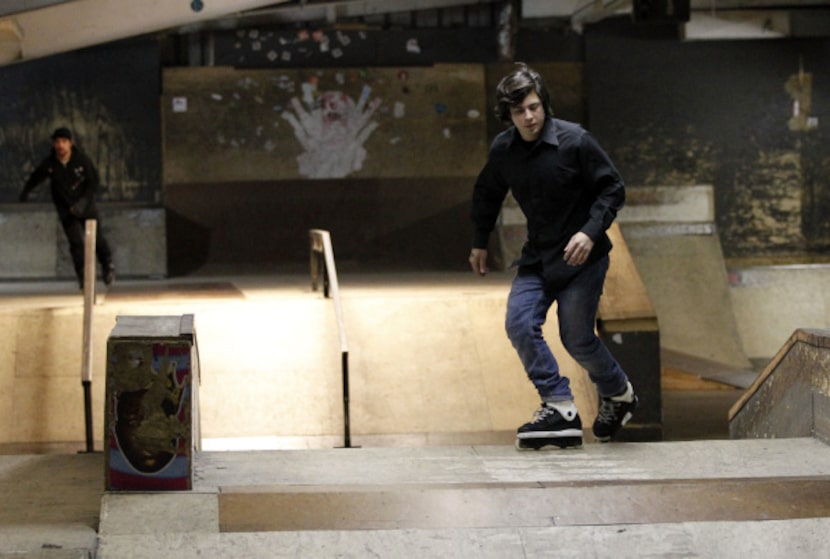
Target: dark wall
column 390, row 224
column 395, row 219
column 108, row 96
column 721, row 112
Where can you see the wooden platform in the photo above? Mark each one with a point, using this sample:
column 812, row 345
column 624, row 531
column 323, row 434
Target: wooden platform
column 681, row 371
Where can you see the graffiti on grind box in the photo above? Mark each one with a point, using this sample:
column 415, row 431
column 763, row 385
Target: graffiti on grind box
column 148, row 419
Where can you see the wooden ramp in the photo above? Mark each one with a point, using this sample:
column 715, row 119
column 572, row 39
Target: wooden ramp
column 681, row 371
column 429, row 358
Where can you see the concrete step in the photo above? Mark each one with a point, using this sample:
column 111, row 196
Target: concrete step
column 50, row 505
column 71, row 540
column 699, row 498
column 519, row 505
column 804, row 538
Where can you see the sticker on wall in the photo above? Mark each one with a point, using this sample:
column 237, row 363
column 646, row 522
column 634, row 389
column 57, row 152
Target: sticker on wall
column 179, row 104
column 800, row 88
column 399, row 110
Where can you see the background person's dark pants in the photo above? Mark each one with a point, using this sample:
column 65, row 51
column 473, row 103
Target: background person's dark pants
column 75, row 229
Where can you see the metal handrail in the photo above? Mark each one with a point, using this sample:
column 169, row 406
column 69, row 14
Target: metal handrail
column 90, row 233
column 323, row 267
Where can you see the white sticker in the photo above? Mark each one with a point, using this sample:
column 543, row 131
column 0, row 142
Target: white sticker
column 399, row 110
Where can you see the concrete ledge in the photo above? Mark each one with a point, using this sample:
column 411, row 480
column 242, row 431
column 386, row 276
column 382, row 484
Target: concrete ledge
column 791, row 396
column 669, row 204
column 148, row 514
column 274, row 509
column 48, row 541
column 772, row 539
column 28, row 244
column 33, row 246
column 188, row 524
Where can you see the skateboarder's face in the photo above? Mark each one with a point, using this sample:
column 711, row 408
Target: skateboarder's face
column 529, row 117
column 63, row 147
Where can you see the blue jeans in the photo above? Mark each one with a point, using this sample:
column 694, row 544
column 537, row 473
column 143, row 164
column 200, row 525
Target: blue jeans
column 577, row 304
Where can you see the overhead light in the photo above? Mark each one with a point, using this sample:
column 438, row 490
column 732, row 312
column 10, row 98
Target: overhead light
column 11, row 36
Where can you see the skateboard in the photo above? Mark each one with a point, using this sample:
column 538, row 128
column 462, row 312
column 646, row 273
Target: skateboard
column 530, row 443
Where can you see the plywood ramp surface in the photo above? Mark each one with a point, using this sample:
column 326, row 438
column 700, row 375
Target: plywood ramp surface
column 428, row 357
column 624, row 296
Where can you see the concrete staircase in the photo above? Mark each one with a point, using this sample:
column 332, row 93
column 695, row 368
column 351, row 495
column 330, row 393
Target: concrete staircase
column 763, row 495
column 687, row 499
column 717, row 498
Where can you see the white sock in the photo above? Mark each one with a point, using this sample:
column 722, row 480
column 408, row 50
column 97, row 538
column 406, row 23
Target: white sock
column 567, row 408
column 627, row 396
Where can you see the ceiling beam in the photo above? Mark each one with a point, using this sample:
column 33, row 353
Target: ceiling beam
column 327, row 11
column 596, row 10
column 46, row 31
column 9, row 7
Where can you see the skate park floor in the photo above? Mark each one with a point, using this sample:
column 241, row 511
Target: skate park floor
column 712, row 498
column 695, row 494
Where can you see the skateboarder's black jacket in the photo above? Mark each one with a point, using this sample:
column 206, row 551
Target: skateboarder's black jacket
column 564, row 183
column 73, row 185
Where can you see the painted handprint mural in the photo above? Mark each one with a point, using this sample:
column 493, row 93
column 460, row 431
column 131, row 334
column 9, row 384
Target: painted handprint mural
column 332, row 129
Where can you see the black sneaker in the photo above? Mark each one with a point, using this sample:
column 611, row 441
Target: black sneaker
column 109, row 275
column 549, row 427
column 614, row 412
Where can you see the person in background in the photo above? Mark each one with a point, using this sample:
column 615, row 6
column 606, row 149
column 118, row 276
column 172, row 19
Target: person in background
column 74, row 183
column 570, row 193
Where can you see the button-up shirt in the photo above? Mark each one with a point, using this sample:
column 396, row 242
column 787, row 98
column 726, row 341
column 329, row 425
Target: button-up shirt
column 564, row 183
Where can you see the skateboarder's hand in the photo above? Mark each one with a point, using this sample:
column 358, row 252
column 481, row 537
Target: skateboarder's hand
column 578, row 249
column 478, row 261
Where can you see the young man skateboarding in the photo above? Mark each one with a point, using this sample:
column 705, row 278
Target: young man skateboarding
column 570, row 192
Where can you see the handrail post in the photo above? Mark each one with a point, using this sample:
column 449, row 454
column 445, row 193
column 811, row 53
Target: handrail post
column 344, row 365
column 322, row 264
column 90, row 232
